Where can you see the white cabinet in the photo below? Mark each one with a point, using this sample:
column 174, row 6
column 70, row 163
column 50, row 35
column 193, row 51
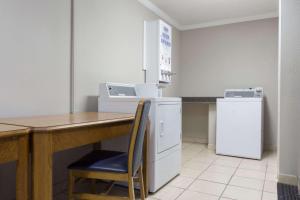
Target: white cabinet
column 169, row 126
column 240, row 127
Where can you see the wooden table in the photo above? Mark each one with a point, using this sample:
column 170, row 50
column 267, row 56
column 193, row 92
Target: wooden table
column 14, row 146
column 56, row 133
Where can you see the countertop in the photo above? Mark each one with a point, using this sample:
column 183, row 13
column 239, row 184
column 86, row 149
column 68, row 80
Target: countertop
column 199, row 99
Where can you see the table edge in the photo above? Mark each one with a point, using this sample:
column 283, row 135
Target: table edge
column 78, row 125
column 15, row 133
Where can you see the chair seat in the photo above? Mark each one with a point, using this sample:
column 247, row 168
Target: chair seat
column 101, row 160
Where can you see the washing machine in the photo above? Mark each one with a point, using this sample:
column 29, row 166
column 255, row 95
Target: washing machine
column 240, row 123
column 165, row 127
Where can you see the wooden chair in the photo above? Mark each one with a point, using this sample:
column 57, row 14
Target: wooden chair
column 112, row 165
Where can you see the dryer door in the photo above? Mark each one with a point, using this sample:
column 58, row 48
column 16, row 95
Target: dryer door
column 169, row 125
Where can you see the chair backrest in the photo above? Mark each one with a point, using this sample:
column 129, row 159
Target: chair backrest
column 135, row 152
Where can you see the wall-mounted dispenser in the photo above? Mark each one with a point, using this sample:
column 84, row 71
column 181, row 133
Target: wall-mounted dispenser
column 157, row 52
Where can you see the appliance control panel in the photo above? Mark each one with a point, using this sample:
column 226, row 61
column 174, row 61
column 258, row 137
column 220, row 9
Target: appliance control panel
column 244, row 93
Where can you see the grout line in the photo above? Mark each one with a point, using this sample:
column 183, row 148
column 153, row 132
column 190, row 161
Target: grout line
column 185, row 189
column 264, row 181
column 231, row 178
column 228, row 183
column 198, row 177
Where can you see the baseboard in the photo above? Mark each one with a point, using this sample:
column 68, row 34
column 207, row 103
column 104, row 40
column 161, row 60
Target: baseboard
column 195, row 140
column 267, row 147
column 288, row 179
column 270, row 147
column 211, row 146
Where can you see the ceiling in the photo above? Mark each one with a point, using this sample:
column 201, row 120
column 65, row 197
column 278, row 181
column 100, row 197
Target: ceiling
column 191, row 14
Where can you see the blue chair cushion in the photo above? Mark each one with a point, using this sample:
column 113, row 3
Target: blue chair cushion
column 101, row 160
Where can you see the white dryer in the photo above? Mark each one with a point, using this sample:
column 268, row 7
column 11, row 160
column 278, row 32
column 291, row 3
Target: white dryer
column 240, row 123
column 165, row 129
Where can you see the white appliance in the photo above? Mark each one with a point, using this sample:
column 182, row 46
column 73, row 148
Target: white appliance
column 240, row 123
column 164, row 159
column 157, row 52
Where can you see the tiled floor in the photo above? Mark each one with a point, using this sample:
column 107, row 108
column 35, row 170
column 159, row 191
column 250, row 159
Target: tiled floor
column 206, row 176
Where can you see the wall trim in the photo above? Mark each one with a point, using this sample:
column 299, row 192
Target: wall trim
column 211, row 147
column 270, row 147
column 151, row 6
column 195, row 140
column 288, row 179
column 229, row 21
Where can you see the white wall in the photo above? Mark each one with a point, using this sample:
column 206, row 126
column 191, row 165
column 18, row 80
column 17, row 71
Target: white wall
column 34, row 57
column 35, row 62
column 195, row 122
column 34, row 71
column 238, row 55
column 289, row 112
column 109, row 46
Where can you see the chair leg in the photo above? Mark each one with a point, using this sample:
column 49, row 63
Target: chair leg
column 131, row 188
column 71, row 186
column 141, row 180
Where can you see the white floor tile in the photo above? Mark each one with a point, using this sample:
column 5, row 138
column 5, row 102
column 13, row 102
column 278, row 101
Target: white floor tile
column 215, row 177
column 189, row 153
column 190, row 173
column 229, row 158
column 250, row 174
column 269, row 196
column 181, row 182
column 270, row 186
column 239, row 193
column 221, row 169
column 190, row 195
column 208, row 152
column 227, row 163
column 258, row 167
column 183, row 145
column 196, row 148
column 250, row 183
column 272, row 169
column 254, row 162
column 203, row 159
column 271, row 176
column 207, row 187
column 273, row 162
column 204, row 176
column 184, row 160
column 195, row 165
column 168, row 193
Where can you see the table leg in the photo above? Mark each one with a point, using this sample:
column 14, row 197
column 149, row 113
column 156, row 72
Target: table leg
column 22, row 190
column 212, row 126
column 145, row 160
column 42, row 166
